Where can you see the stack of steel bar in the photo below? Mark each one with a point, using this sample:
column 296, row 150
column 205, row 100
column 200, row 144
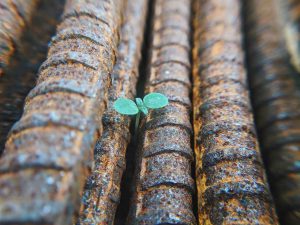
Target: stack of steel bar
column 14, row 15
column 164, row 186
column 102, row 191
column 231, row 181
column 276, row 99
column 49, row 151
column 289, row 13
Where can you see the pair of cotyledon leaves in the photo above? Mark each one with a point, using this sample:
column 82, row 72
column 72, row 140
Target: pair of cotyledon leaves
column 154, row 100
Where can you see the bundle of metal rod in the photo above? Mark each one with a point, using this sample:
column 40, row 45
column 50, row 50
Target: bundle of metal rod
column 289, row 17
column 164, row 186
column 14, row 15
column 49, row 152
column 276, row 98
column 231, row 181
column 102, row 192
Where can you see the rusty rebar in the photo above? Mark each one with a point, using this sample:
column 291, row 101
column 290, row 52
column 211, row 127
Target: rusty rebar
column 49, row 152
column 231, row 181
column 276, row 99
column 164, row 184
column 14, row 15
column 20, row 74
column 102, row 192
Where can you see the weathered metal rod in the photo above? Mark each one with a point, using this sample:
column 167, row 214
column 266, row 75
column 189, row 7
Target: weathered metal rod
column 102, row 191
column 164, row 184
column 231, row 181
column 49, row 152
column 14, row 15
column 276, row 99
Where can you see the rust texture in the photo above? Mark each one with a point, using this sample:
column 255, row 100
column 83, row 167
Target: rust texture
column 49, row 151
column 276, row 99
column 14, row 15
column 289, row 17
column 20, row 75
column 102, row 191
column 231, row 181
column 164, row 185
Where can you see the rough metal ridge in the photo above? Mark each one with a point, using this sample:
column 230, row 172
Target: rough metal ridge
column 102, row 191
column 14, row 15
column 164, row 185
column 49, row 152
column 231, row 181
column 276, row 99
column 289, row 11
column 20, row 74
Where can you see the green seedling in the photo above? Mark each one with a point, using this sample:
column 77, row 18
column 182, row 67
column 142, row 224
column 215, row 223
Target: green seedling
column 126, row 106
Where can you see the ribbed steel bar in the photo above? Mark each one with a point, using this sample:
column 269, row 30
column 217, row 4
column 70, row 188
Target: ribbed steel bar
column 289, row 17
column 14, row 15
column 276, row 98
column 164, row 185
column 231, row 181
column 49, row 152
column 102, row 192
column 20, row 75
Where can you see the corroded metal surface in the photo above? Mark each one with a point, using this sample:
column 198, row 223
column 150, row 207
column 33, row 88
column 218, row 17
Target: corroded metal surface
column 276, row 98
column 164, row 186
column 289, row 12
column 20, row 75
column 14, row 14
column 231, row 181
column 48, row 152
column 102, row 192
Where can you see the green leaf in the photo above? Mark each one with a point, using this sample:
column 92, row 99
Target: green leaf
column 125, row 106
column 155, row 100
column 141, row 105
